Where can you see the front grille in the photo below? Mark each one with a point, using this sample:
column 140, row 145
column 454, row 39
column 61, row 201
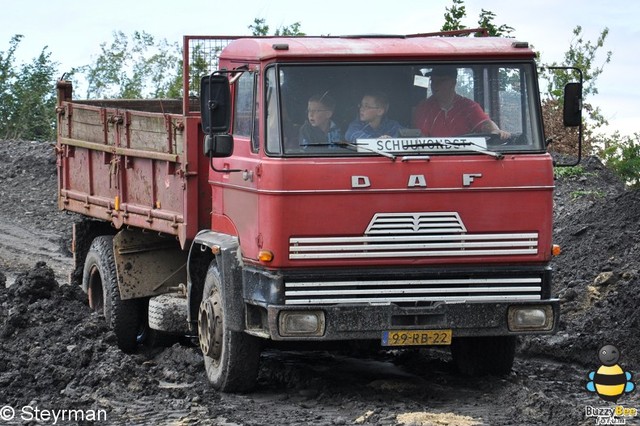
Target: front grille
column 427, row 234
column 423, row 291
column 415, row 223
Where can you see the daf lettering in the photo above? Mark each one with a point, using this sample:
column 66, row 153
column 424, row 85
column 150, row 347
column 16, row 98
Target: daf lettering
column 417, row 180
column 468, row 178
column 360, row 182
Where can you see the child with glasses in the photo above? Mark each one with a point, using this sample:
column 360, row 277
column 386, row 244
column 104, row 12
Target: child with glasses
column 372, row 121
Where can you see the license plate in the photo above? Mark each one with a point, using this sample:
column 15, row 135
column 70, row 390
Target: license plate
column 416, row 337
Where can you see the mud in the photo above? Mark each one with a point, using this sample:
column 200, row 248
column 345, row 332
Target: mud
column 56, row 354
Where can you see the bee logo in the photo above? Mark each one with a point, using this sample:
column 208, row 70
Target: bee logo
column 610, row 381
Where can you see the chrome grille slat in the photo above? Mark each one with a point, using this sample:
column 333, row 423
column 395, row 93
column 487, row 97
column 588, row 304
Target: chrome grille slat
column 413, row 246
column 450, row 299
column 384, row 291
column 297, row 293
column 390, row 254
column 452, row 237
column 432, row 282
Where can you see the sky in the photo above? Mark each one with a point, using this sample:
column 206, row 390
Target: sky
column 72, row 30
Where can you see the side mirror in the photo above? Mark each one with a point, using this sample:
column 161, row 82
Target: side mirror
column 215, row 104
column 572, row 113
column 220, row 145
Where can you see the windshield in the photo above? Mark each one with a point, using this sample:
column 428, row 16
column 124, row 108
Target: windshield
column 401, row 109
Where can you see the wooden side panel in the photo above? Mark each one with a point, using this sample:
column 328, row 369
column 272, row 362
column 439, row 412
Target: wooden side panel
column 126, row 166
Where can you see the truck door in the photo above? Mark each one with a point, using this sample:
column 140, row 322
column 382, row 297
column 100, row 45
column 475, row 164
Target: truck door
column 235, row 197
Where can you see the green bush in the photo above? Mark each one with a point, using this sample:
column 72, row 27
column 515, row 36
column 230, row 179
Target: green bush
column 27, row 96
column 622, row 155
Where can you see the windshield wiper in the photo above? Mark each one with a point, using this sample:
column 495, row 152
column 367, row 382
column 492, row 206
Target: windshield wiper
column 366, row 148
column 472, row 146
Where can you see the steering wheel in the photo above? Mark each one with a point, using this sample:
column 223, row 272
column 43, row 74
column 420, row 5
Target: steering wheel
column 494, row 138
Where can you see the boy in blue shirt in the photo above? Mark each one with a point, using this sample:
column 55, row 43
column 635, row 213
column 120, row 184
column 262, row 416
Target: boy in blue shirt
column 372, row 122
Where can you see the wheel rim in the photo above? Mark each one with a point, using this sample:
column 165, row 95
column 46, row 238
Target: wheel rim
column 210, row 326
column 94, row 290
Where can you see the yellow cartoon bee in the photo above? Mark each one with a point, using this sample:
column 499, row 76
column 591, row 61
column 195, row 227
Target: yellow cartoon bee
column 610, row 381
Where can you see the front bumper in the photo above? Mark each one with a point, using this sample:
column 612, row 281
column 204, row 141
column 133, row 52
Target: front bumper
column 362, row 304
column 361, row 322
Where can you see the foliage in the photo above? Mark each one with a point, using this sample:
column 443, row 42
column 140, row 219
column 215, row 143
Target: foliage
column 486, row 21
column 569, row 172
column 260, row 28
column 27, row 101
column 582, row 54
column 622, row 154
column 453, row 16
column 453, row 20
column 134, row 67
column 140, row 66
column 587, row 194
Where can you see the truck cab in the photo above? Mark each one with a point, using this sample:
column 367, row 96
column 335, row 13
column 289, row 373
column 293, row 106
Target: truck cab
column 404, row 239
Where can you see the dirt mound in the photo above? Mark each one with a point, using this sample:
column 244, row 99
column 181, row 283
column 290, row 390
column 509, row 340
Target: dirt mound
column 32, row 227
column 28, row 190
column 56, row 353
column 598, row 273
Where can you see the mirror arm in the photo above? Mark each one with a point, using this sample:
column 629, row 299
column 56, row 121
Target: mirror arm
column 579, row 71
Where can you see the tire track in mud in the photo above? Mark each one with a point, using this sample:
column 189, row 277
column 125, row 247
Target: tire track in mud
column 21, row 248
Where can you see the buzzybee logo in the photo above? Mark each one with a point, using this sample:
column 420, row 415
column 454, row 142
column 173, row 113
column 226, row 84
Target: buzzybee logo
column 610, row 381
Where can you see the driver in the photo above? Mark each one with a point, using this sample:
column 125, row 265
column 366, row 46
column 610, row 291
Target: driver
column 445, row 113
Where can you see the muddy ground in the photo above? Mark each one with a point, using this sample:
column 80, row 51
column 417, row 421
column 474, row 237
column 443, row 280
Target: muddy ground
column 55, row 354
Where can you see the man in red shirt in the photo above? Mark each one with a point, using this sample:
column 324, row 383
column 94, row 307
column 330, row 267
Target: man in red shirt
column 446, row 113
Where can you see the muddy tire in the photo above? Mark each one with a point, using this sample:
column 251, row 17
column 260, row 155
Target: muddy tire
column 125, row 317
column 168, row 313
column 231, row 358
column 478, row 356
column 167, row 321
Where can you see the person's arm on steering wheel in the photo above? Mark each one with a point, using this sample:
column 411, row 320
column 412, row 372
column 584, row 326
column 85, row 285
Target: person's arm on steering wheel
column 488, row 126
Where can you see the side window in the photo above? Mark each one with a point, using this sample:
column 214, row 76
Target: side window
column 243, row 114
column 465, row 84
column 512, row 100
column 273, row 125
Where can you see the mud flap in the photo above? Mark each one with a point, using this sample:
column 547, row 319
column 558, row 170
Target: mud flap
column 148, row 264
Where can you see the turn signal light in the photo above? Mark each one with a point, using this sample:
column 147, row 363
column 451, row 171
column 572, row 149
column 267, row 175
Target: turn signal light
column 265, row 256
column 555, row 250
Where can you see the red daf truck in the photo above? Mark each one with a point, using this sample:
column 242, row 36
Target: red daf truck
column 208, row 216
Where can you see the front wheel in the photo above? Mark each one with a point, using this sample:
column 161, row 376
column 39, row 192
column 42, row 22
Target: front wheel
column 477, row 356
column 231, row 358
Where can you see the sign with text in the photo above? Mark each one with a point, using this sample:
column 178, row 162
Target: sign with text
column 422, row 145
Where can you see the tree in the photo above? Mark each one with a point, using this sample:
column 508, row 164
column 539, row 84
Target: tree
column 260, row 28
column 486, row 21
column 133, row 67
column 27, row 95
column 453, row 16
column 453, row 20
column 7, row 78
column 582, row 54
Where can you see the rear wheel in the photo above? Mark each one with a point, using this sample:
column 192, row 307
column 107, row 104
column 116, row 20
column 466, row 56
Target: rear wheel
column 231, row 358
column 99, row 278
column 476, row 356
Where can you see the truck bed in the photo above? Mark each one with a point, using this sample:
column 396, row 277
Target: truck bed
column 129, row 162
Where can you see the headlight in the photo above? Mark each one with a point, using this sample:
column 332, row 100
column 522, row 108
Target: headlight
column 530, row 318
column 301, row 323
